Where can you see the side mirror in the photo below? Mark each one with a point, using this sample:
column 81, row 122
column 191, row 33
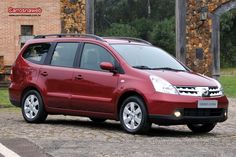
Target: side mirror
column 107, row 66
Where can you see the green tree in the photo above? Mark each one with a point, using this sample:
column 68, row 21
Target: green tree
column 228, row 39
column 128, row 11
column 163, row 35
column 143, row 27
column 117, row 29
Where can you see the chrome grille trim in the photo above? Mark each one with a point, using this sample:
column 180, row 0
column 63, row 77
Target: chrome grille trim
column 198, row 91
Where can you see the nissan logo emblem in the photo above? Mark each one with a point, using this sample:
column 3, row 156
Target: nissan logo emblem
column 205, row 92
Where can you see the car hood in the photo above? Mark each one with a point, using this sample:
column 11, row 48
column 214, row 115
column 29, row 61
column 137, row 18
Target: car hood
column 181, row 78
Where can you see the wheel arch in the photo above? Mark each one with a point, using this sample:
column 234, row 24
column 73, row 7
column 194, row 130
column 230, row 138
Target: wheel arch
column 127, row 94
column 28, row 88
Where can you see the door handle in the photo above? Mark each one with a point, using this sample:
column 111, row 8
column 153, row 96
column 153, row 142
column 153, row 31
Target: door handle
column 78, row 77
column 44, row 73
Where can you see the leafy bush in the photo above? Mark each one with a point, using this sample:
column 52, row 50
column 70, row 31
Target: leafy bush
column 117, row 29
column 228, row 39
column 163, row 35
column 143, row 27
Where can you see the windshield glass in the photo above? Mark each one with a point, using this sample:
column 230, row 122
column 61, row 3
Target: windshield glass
column 147, row 57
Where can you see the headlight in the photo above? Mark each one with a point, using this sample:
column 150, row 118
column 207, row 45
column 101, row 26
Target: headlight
column 219, row 86
column 162, row 85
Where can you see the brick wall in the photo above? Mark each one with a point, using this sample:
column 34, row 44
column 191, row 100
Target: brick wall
column 10, row 26
column 67, row 16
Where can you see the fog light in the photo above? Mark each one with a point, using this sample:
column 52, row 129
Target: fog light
column 177, row 114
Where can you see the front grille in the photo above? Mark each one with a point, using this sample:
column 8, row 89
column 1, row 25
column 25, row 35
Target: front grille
column 202, row 112
column 199, row 91
column 214, row 91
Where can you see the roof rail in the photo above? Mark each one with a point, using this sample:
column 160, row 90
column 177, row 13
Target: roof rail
column 130, row 39
column 69, row 35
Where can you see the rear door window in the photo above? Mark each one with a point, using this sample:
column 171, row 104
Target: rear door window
column 64, row 54
column 37, row 53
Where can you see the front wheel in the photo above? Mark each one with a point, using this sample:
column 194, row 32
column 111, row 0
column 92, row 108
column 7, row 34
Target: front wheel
column 201, row 128
column 134, row 116
column 33, row 108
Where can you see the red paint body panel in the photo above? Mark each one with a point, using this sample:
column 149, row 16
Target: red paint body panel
column 56, row 86
column 94, row 91
column 184, row 78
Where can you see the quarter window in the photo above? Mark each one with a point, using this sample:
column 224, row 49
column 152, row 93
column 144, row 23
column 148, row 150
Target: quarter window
column 64, row 54
column 93, row 55
column 37, row 52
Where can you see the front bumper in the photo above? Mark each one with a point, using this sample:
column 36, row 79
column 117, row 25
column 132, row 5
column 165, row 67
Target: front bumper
column 206, row 117
column 161, row 109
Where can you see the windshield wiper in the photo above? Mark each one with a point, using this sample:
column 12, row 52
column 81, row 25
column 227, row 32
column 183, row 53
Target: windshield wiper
column 142, row 67
column 167, row 68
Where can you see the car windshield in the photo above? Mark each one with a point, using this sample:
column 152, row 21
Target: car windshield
column 147, row 57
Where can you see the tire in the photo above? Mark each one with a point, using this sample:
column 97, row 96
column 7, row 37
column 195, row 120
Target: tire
column 201, row 128
column 32, row 107
column 97, row 120
column 134, row 116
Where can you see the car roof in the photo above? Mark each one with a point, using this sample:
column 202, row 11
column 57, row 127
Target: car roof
column 86, row 38
column 124, row 40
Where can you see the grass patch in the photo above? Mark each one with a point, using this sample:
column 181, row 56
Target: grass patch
column 228, row 71
column 228, row 81
column 11, row 109
column 229, row 84
column 4, row 98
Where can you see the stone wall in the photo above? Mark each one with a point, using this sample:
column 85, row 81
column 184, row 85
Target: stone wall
column 73, row 16
column 198, row 35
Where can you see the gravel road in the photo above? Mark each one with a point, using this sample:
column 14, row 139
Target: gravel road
column 71, row 136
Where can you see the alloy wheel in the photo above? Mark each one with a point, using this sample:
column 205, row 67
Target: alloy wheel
column 31, row 106
column 132, row 115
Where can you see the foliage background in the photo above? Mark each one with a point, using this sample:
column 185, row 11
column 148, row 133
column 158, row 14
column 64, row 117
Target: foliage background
column 131, row 18
column 228, row 39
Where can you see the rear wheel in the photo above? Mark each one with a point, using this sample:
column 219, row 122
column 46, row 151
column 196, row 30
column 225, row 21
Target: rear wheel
column 33, row 108
column 133, row 115
column 97, row 120
column 201, row 128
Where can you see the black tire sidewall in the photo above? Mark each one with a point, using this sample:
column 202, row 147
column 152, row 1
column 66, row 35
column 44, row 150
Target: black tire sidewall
column 41, row 113
column 205, row 128
column 143, row 127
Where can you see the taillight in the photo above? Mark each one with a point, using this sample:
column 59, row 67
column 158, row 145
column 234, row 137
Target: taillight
column 11, row 74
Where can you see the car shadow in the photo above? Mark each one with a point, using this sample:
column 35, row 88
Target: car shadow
column 85, row 124
column 164, row 131
column 155, row 131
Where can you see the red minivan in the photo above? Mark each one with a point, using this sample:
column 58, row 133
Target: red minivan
column 119, row 78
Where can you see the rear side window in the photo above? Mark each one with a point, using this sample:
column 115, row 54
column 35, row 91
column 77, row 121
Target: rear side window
column 64, row 54
column 36, row 53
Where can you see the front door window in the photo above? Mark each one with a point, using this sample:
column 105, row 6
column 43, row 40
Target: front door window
column 93, row 55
